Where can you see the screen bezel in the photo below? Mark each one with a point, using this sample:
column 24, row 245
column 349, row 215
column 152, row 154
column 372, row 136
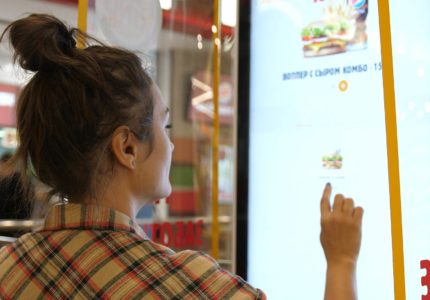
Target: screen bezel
column 243, row 138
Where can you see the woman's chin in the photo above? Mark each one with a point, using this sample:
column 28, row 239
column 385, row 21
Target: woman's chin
column 168, row 191
column 163, row 193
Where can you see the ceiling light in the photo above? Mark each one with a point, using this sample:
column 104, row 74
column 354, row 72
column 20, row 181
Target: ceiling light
column 166, row 4
column 229, row 12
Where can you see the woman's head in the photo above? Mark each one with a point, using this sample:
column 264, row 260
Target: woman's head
column 77, row 98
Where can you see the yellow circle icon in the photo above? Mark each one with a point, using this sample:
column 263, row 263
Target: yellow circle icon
column 343, row 85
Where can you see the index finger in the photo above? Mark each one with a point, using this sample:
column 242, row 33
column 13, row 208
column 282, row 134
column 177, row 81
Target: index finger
column 325, row 200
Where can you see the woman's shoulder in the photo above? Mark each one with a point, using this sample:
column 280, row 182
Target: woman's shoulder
column 206, row 275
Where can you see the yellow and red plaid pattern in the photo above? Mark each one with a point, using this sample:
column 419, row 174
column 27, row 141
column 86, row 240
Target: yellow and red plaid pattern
column 93, row 252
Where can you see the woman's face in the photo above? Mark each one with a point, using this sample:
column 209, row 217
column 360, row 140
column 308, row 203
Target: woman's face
column 154, row 160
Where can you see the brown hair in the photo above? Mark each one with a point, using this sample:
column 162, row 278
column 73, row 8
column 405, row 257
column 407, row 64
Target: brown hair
column 68, row 111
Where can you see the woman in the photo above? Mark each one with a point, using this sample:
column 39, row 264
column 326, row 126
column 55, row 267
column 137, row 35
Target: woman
column 92, row 127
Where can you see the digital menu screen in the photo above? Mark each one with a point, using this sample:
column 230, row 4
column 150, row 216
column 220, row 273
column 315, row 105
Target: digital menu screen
column 316, row 116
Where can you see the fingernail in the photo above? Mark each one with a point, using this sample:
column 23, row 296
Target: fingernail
column 328, row 184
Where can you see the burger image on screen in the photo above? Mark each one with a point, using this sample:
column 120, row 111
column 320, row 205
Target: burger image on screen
column 332, row 161
column 326, row 37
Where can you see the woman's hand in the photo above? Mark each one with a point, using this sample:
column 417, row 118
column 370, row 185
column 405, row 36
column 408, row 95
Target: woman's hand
column 340, row 239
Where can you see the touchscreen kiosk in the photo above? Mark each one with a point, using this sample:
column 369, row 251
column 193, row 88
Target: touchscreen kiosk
column 316, row 116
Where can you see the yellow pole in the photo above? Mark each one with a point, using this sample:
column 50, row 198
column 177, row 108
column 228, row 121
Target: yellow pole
column 82, row 20
column 216, row 39
column 392, row 149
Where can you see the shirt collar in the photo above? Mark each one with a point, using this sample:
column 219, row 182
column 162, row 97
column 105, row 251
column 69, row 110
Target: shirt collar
column 89, row 217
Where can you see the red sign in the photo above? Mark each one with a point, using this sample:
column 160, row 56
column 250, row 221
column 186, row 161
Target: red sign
column 201, row 106
column 8, row 94
column 425, row 280
column 179, row 235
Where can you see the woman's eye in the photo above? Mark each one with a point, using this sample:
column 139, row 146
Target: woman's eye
column 168, row 126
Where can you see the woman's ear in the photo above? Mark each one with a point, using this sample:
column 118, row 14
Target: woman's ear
column 124, row 147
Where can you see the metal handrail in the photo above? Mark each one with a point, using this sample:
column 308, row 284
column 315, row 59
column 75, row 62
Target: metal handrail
column 19, row 225
column 29, row 225
column 205, row 219
column 6, row 240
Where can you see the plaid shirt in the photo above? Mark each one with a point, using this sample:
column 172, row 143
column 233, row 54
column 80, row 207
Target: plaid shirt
column 91, row 252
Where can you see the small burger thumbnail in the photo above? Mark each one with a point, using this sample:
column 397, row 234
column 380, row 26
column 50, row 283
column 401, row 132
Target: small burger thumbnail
column 326, row 37
column 332, row 161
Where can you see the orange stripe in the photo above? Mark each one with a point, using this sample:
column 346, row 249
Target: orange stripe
column 82, row 19
column 392, row 149
column 216, row 39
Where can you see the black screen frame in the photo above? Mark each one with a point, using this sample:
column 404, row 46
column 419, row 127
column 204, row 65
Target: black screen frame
column 242, row 160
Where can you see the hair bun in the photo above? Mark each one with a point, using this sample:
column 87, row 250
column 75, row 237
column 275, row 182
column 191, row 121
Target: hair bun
column 41, row 42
